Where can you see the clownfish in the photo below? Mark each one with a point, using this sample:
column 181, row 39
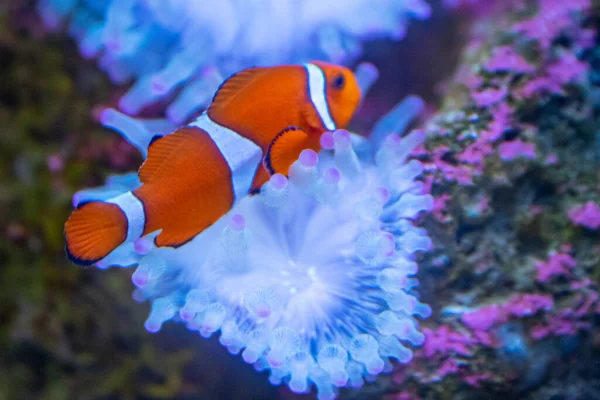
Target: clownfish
column 259, row 121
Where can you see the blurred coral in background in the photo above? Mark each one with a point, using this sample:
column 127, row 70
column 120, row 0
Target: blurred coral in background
column 165, row 46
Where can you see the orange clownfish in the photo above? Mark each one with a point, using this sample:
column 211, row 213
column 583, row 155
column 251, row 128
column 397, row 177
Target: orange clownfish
column 259, row 121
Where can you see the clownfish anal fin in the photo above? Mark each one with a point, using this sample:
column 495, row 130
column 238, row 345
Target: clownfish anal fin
column 285, row 149
column 175, row 238
column 161, row 151
column 233, row 86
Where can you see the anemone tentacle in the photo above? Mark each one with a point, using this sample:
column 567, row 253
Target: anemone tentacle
column 183, row 49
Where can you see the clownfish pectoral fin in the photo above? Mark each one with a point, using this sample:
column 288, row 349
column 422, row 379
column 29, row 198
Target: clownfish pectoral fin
column 94, row 230
column 233, row 86
column 312, row 119
column 285, row 149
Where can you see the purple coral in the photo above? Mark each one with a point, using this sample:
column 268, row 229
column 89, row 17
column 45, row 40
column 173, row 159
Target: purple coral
column 444, row 340
column 522, row 305
column 481, row 320
column 489, row 97
column 517, row 148
column 506, row 59
column 558, row 264
column 552, row 18
column 484, row 317
column 586, row 215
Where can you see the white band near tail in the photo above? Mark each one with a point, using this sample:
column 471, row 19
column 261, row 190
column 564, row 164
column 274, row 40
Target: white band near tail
column 242, row 155
column 316, row 88
column 133, row 209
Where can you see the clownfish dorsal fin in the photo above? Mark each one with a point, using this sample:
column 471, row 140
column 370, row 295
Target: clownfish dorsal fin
column 233, row 86
column 162, row 149
column 285, row 149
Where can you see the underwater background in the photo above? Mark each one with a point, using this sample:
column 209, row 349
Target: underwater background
column 511, row 157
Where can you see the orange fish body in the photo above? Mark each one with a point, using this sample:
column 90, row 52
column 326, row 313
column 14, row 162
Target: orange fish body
column 258, row 123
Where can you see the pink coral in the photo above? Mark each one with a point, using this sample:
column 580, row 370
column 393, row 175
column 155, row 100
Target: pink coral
column 539, row 332
column 476, row 379
column 586, row 215
column 564, row 321
column 521, row 305
column 485, row 338
column 507, row 59
column 553, row 17
column 557, row 264
column 541, row 30
column 557, row 7
column 484, row 317
column 502, row 120
column 476, row 152
column 462, row 174
column 450, row 366
column 560, row 324
column 539, row 85
column 517, row 148
column 481, row 320
column 439, row 207
column 567, row 69
column 587, row 300
column 445, row 340
column 488, row 97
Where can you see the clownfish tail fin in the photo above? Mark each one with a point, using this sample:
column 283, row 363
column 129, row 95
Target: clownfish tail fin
column 94, row 230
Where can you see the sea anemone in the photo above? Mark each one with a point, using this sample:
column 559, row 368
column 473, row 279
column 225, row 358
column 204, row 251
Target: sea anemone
column 162, row 45
column 311, row 278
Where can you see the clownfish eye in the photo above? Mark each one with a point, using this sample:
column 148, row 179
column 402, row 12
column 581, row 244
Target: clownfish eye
column 338, row 82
